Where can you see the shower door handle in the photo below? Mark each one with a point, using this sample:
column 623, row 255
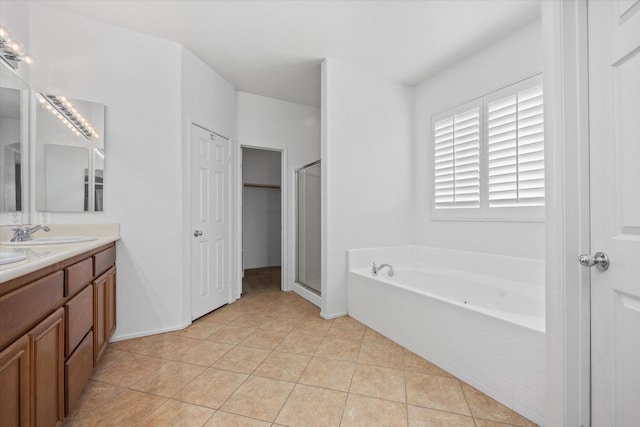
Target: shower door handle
column 599, row 259
column 197, row 233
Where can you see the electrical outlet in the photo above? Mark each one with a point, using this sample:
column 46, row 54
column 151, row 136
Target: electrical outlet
column 44, row 218
column 15, row 218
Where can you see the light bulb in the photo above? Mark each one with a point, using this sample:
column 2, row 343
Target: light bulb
column 5, row 34
column 27, row 59
column 16, row 47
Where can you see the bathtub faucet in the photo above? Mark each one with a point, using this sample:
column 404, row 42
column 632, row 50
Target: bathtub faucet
column 375, row 269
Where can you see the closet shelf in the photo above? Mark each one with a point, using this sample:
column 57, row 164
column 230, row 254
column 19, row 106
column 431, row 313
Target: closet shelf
column 261, row 185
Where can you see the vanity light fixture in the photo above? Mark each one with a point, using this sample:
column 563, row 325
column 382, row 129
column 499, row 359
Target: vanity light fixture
column 99, row 152
column 60, row 107
column 12, row 51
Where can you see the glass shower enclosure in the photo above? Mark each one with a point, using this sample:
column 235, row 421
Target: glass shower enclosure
column 308, row 226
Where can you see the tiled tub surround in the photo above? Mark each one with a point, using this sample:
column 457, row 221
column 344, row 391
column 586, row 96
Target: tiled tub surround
column 270, row 360
column 45, row 255
column 478, row 316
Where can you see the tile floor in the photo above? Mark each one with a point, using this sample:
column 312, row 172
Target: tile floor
column 270, row 360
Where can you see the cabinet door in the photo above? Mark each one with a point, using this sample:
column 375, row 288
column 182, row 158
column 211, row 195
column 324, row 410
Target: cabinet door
column 99, row 326
column 110, row 304
column 47, row 356
column 15, row 386
column 104, row 311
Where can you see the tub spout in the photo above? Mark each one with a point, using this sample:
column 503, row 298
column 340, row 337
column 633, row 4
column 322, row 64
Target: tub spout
column 375, row 269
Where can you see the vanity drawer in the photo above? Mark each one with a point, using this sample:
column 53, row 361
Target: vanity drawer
column 21, row 309
column 77, row 276
column 103, row 260
column 79, row 313
column 77, row 371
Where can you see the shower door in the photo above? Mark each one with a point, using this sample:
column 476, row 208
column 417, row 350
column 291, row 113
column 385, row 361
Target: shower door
column 308, row 226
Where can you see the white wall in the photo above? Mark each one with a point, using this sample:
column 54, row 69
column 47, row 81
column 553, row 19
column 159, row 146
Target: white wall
column 367, row 174
column 270, row 123
column 261, row 209
column 511, row 59
column 137, row 77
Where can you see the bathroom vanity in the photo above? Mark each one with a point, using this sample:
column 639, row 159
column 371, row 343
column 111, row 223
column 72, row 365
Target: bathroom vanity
column 57, row 314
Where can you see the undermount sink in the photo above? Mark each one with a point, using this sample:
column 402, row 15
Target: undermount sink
column 51, row 240
column 9, row 257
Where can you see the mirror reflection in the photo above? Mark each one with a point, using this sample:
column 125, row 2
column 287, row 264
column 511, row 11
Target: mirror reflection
column 69, row 154
column 13, row 131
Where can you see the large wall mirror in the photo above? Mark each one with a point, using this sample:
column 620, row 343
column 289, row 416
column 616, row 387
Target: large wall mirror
column 69, row 154
column 14, row 127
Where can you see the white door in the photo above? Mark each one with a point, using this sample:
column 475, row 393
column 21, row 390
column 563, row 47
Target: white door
column 210, row 220
column 614, row 103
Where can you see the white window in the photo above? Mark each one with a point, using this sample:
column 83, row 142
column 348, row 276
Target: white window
column 457, row 158
column 489, row 156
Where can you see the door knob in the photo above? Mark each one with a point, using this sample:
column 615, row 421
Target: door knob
column 599, row 259
column 197, row 233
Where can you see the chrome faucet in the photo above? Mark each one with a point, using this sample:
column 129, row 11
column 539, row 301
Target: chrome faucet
column 375, row 269
column 23, row 234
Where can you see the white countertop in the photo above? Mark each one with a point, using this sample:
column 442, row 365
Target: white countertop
column 44, row 255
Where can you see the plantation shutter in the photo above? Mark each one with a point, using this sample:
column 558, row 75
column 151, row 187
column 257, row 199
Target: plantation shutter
column 457, row 160
column 515, row 142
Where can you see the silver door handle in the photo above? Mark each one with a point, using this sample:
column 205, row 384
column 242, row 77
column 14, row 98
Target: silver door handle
column 197, row 233
column 599, row 259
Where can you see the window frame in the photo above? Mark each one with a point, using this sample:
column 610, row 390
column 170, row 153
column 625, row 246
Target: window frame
column 484, row 212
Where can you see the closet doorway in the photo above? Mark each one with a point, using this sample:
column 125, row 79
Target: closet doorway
column 261, row 220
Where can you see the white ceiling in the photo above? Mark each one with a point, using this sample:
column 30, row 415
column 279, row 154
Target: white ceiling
column 274, row 48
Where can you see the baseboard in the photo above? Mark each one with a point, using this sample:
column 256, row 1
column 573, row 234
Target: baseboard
column 116, row 337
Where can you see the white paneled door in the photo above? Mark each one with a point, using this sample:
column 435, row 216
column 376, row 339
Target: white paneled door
column 614, row 103
column 210, row 221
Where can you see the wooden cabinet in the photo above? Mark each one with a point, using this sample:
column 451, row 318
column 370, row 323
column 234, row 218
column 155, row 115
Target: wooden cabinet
column 15, row 384
column 104, row 309
column 54, row 325
column 47, row 360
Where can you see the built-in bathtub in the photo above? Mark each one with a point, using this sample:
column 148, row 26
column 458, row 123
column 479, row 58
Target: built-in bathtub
column 478, row 316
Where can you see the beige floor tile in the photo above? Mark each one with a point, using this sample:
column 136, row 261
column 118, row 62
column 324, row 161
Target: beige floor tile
column 170, row 378
column 350, row 333
column 205, row 353
column 415, row 363
column 230, row 334
column 129, row 371
column 278, row 324
column 382, row 355
column 347, row 322
column 264, row 338
column 242, row 359
column 288, row 312
column 211, row 389
column 177, row 414
column 334, row 348
column 126, row 409
column 423, row 417
column 198, row 329
column 377, row 381
column 225, row 419
column 487, row 423
column 170, row 346
column 328, row 373
column 381, row 342
column 368, row 332
column 436, row 392
column 260, row 398
column 136, row 345
column 367, row 411
column 312, row 407
column 482, row 406
column 221, row 316
column 283, row 366
column 318, row 328
column 300, row 344
column 250, row 320
column 94, row 395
